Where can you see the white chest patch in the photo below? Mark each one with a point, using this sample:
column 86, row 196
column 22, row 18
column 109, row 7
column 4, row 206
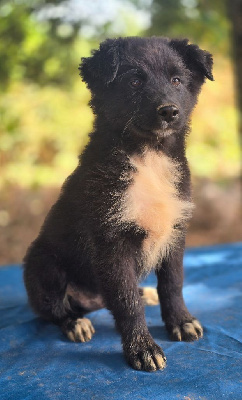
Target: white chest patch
column 152, row 202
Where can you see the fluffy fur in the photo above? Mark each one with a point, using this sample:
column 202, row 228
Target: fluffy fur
column 154, row 188
column 125, row 208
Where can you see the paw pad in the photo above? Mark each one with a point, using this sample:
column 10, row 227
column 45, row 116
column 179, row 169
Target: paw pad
column 150, row 296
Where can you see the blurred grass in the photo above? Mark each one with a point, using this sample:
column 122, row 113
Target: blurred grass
column 43, row 129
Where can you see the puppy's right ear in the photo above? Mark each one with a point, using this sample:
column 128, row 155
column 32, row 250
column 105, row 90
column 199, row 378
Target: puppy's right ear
column 102, row 66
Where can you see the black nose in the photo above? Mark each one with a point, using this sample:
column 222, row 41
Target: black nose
column 168, row 113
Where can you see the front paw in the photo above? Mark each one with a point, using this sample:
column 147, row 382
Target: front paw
column 145, row 357
column 187, row 331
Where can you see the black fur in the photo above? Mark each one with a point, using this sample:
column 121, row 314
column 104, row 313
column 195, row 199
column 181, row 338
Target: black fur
column 83, row 245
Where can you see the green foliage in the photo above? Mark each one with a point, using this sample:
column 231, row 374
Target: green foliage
column 204, row 22
column 33, row 50
column 12, row 33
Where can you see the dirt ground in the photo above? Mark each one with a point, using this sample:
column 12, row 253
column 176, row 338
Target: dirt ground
column 217, row 216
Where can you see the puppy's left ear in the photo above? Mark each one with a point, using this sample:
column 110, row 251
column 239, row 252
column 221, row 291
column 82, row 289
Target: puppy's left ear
column 102, row 66
column 197, row 60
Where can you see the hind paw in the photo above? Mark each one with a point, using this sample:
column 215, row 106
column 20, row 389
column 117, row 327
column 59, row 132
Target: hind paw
column 81, row 330
column 149, row 296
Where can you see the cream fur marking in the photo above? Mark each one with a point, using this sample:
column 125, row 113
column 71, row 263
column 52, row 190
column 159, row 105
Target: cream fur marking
column 152, row 202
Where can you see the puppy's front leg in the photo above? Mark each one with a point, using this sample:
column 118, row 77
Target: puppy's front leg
column 118, row 283
column 180, row 324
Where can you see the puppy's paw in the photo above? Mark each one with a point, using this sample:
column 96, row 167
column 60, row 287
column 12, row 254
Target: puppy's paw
column 80, row 330
column 149, row 358
column 149, row 296
column 187, row 331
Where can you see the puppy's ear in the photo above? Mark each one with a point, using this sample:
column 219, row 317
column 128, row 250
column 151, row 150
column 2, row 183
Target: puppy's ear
column 102, row 66
column 196, row 59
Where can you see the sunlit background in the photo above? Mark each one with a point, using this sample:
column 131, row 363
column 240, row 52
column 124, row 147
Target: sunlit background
column 45, row 118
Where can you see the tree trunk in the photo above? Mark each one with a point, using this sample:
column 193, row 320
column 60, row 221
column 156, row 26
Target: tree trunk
column 235, row 15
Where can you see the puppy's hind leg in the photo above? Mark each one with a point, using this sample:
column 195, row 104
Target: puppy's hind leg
column 80, row 301
column 46, row 286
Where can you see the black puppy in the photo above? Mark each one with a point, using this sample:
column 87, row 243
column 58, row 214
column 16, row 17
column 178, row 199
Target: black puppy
column 124, row 210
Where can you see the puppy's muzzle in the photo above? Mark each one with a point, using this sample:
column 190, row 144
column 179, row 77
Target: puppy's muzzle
column 168, row 112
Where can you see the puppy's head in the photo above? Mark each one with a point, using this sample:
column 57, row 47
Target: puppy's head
column 146, row 86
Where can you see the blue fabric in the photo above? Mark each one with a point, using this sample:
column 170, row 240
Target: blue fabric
column 38, row 362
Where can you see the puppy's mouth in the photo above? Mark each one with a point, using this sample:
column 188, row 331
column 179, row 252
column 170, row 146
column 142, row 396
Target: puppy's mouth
column 163, row 131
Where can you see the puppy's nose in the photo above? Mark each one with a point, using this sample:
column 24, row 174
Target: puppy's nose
column 168, row 112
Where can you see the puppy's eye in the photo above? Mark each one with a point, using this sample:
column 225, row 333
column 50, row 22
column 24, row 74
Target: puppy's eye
column 176, row 81
column 136, row 82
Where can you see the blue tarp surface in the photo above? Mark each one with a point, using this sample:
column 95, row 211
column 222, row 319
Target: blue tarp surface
column 38, row 362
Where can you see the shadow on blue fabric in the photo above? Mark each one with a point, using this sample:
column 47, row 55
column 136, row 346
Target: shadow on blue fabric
column 37, row 362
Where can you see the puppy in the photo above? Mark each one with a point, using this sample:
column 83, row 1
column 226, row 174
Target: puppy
column 123, row 212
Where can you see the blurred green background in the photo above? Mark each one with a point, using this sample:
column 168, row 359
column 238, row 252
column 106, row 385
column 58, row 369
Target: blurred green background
column 45, row 117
